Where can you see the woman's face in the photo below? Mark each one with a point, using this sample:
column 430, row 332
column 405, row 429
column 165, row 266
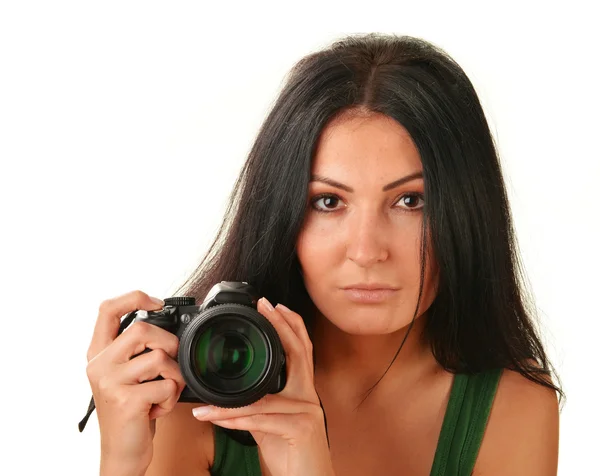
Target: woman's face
column 363, row 227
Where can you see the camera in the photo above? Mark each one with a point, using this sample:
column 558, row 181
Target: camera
column 229, row 354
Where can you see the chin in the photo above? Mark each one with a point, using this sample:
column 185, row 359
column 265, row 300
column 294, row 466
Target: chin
column 367, row 323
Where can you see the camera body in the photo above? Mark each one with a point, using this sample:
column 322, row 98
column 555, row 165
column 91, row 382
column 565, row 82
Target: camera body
column 229, row 354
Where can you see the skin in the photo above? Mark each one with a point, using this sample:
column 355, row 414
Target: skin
column 367, row 235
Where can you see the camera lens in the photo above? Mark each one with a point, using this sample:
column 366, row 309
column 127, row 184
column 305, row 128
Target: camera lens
column 229, row 354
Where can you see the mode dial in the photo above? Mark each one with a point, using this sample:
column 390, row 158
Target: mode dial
column 180, row 301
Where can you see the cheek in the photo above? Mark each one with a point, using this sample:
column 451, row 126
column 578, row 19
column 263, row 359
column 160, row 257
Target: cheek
column 317, row 251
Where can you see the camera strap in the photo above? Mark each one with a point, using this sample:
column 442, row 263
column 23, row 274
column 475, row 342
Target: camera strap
column 124, row 324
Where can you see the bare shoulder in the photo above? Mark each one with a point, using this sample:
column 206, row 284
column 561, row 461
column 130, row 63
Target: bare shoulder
column 521, row 437
column 182, row 444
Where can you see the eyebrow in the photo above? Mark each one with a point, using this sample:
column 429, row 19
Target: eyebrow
column 389, row 186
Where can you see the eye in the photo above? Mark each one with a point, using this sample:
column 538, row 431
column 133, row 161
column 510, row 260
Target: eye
column 411, row 201
column 327, row 202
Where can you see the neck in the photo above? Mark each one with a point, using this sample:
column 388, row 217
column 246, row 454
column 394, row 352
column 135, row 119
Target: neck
column 352, row 364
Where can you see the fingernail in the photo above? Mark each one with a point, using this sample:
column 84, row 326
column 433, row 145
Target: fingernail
column 157, row 301
column 281, row 306
column 201, row 411
column 267, row 304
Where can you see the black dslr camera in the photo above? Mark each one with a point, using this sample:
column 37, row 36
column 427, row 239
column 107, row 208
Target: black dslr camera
column 229, row 354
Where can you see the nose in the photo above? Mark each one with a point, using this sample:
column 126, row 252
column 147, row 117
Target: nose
column 367, row 238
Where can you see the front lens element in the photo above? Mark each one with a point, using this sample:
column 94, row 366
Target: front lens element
column 230, row 355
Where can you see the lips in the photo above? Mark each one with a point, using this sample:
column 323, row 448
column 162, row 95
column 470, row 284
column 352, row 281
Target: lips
column 369, row 294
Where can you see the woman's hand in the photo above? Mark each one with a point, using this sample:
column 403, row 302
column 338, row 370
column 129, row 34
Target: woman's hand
column 127, row 407
column 289, row 426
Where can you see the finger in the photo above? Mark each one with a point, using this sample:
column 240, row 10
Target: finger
column 275, row 424
column 292, row 345
column 299, row 374
column 160, row 396
column 297, row 324
column 270, row 404
column 299, row 426
column 109, row 317
column 149, row 366
column 140, row 336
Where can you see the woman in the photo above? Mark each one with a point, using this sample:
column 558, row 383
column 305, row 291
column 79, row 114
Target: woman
column 372, row 204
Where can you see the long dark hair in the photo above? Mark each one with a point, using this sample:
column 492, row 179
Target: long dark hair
column 482, row 316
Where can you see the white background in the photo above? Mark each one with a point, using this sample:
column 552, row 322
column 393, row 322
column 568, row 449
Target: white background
column 123, row 126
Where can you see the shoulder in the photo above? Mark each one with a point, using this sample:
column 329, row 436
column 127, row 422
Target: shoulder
column 182, row 444
column 521, row 437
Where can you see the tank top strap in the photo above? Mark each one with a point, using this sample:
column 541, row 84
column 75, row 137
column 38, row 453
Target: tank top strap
column 465, row 420
column 233, row 458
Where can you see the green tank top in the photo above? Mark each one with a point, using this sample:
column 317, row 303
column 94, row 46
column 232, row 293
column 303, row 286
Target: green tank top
column 466, row 417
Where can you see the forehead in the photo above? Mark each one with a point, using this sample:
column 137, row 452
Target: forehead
column 373, row 143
